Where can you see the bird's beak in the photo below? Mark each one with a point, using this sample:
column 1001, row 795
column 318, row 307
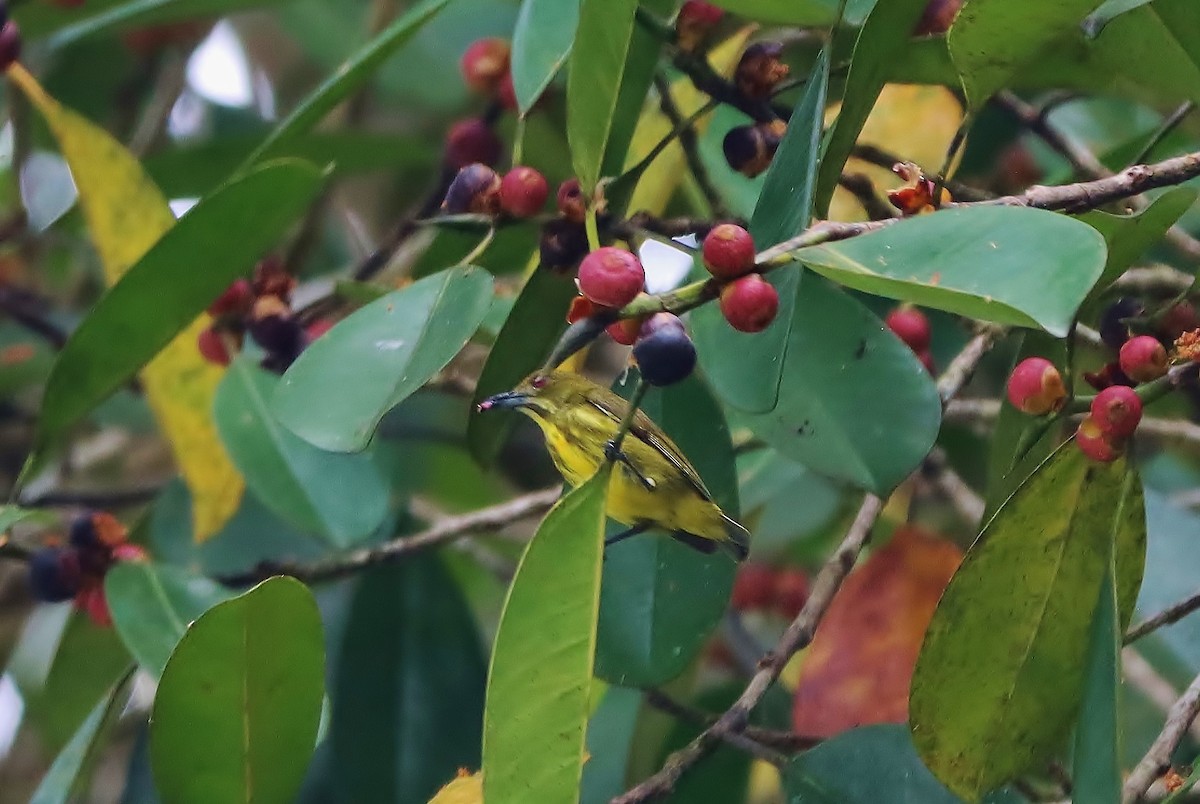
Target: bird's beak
column 508, row 399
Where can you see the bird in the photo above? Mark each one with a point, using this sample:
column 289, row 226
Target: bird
column 653, row 484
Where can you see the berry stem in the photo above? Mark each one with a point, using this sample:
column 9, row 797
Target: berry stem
column 593, row 231
column 635, row 402
column 481, row 247
column 1147, row 392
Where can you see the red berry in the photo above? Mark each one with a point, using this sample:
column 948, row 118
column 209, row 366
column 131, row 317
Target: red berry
column 1117, row 411
column 1035, row 387
column 1094, row 443
column 472, row 141
column 506, row 93
column 1143, row 358
column 212, row 347
column 236, row 300
column 581, row 308
column 753, row 587
column 475, row 189
column 728, row 251
column 910, row 326
column 791, row 592
column 664, row 352
column 91, row 601
column 1179, row 319
column 926, row 358
column 318, row 328
column 749, row 304
column 611, row 277
column 484, row 64
column 128, row 552
column 571, row 202
column 10, row 44
column 625, row 331
column 937, row 17
column 55, row 574
column 698, row 11
column 523, row 192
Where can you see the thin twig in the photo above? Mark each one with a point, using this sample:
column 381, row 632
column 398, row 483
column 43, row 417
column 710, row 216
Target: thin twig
column 690, row 144
column 1158, row 758
column 863, row 189
column 1171, row 614
column 29, row 312
column 1140, row 674
column 1168, row 125
column 92, row 498
column 152, row 124
column 956, row 375
column 966, row 500
column 787, row 742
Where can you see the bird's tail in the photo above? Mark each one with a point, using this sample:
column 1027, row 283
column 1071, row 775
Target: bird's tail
column 737, row 539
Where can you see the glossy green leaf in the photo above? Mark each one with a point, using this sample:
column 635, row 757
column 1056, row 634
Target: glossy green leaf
column 541, row 43
column 12, row 515
column 1095, row 23
column 346, row 79
column 539, row 683
column 991, row 40
column 975, row 262
column 883, row 40
column 408, row 708
column 999, row 679
column 152, row 606
column 660, row 599
column 640, row 63
column 1097, row 754
column 529, row 333
column 610, row 734
column 218, row 240
column 339, row 496
column 235, row 717
column 384, row 351
column 1156, row 47
column 134, row 13
column 798, row 12
column 745, row 369
column 831, row 415
column 65, row 777
column 597, row 65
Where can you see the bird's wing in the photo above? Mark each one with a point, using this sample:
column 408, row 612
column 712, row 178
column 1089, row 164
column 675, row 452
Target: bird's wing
column 647, row 431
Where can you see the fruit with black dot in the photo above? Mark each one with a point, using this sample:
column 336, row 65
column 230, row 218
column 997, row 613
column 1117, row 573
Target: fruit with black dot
column 749, row 304
column 10, row 44
column 750, row 149
column 1117, row 411
column 523, row 192
column 728, row 251
column 910, row 326
column 1035, row 387
column 562, row 245
column 237, row 299
column 571, row 203
column 55, row 574
column 475, row 189
column 1143, row 358
column 471, row 141
column 211, row 344
column 1095, row 443
column 760, row 70
column 791, row 592
column 753, row 587
column 1114, row 330
column 611, row 277
column 485, row 63
column 664, row 353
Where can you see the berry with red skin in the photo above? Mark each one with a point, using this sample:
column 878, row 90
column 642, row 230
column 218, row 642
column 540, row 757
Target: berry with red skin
column 1143, row 358
column 212, row 346
column 1094, row 443
column 128, row 552
column 625, row 331
column 749, row 304
column 237, row 299
column 910, row 326
column 1180, row 318
column 1116, row 411
column 581, row 308
column 750, row 149
column 760, row 70
column 506, row 93
column 664, row 352
column 485, row 63
column 1112, row 327
column 696, row 18
column 791, row 592
column 523, row 192
column 753, row 587
column 926, row 358
column 562, row 245
column 571, row 203
column 471, row 141
column 611, row 277
column 937, row 17
column 318, row 328
column 10, row 44
column 728, row 251
column 55, row 574
column 91, row 601
column 475, row 189
column 1035, row 387
column 1108, row 374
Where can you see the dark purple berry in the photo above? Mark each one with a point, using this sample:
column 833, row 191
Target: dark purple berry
column 10, row 44
column 664, row 352
column 563, row 244
column 55, row 574
column 475, row 190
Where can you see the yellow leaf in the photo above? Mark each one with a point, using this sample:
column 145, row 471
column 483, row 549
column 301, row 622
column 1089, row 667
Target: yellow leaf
column 126, row 215
column 466, row 788
column 661, row 179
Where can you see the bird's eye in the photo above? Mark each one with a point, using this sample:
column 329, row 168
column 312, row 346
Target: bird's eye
column 539, row 382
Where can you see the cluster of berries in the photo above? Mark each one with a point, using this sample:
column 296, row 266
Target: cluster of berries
column 759, row 587
column 749, row 149
column 912, row 327
column 262, row 308
column 485, row 70
column 76, row 571
column 478, row 189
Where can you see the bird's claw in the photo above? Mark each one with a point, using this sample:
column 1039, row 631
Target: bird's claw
column 614, row 454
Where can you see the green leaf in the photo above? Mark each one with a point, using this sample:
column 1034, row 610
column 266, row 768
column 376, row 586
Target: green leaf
column 541, row 42
column 410, row 681
column 640, row 64
column 659, row 598
column 975, row 262
column 346, row 79
column 539, row 684
column 1095, row 23
column 235, row 717
column 1097, row 754
column 610, row 734
column 891, row 771
column 884, row 39
column 384, row 351
column 998, row 680
column 745, row 369
column 130, row 14
column 217, row 241
column 11, row 515
column 817, row 13
column 529, row 333
column 991, row 40
column 152, row 605
column 831, row 415
column 340, row 496
column 66, row 775
column 594, row 82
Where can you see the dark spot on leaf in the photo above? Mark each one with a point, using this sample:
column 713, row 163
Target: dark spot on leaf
column 861, row 351
column 804, row 428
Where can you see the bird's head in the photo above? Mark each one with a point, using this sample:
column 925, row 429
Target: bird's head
column 541, row 393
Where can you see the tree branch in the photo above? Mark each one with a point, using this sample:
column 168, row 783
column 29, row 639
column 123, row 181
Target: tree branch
column 1171, row 614
column 1158, row 758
